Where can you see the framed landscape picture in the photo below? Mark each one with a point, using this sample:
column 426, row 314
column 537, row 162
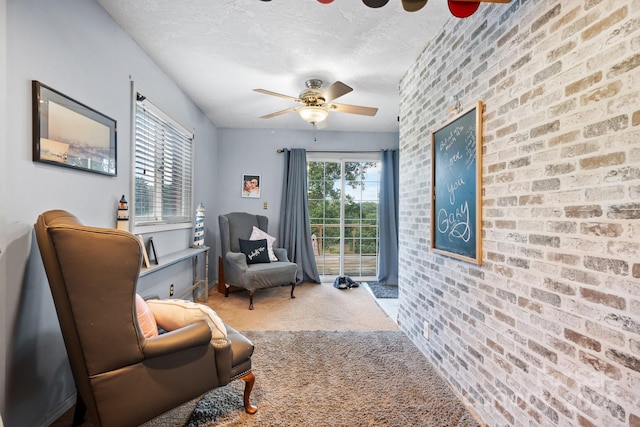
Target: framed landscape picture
column 251, row 186
column 70, row 134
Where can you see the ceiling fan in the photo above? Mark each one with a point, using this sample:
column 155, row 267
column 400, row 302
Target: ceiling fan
column 317, row 103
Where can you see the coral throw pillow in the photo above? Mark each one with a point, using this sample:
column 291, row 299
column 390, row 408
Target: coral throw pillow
column 145, row 318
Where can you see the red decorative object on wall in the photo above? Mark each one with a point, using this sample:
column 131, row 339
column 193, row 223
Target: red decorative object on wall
column 462, row 9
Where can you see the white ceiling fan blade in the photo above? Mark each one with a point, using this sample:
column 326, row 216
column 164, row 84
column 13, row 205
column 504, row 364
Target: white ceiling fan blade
column 268, row 92
column 277, row 113
column 354, row 109
column 336, row 90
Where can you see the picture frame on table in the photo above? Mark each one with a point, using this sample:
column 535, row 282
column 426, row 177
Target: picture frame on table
column 145, row 255
column 251, row 185
column 152, row 251
column 70, row 134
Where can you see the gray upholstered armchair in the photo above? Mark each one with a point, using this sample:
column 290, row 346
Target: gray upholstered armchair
column 122, row 377
column 235, row 272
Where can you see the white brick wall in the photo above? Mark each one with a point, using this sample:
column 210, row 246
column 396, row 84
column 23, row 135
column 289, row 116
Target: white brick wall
column 547, row 330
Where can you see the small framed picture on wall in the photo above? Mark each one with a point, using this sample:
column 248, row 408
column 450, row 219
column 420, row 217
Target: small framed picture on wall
column 251, row 185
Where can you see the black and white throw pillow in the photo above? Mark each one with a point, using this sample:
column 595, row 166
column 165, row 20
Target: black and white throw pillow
column 255, row 250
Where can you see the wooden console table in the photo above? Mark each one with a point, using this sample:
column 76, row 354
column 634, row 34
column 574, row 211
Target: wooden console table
column 176, row 257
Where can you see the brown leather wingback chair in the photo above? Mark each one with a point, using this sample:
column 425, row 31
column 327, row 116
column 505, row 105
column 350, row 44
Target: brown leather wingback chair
column 123, row 378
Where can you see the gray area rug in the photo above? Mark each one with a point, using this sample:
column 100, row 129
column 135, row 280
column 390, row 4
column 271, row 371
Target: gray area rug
column 381, row 290
column 320, row 378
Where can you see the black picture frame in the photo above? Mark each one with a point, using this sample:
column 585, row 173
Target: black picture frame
column 152, row 250
column 456, row 186
column 70, row 134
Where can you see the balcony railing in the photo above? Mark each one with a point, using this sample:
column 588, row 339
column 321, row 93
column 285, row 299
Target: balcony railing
column 356, row 263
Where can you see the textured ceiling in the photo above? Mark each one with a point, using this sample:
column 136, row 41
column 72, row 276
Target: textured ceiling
column 218, row 51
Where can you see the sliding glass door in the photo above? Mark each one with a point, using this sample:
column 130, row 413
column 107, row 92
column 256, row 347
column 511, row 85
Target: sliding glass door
column 343, row 208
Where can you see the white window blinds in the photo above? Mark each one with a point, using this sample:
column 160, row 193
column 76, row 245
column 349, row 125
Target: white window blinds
column 163, row 168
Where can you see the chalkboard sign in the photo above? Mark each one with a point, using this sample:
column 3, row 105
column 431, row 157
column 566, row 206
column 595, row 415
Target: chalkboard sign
column 456, row 185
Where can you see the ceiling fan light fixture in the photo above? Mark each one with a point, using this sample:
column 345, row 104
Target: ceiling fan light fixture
column 313, row 114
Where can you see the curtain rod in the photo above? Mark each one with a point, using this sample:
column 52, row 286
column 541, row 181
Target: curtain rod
column 281, row 150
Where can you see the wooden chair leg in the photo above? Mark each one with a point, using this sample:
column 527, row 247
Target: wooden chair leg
column 293, row 288
column 251, row 292
column 249, row 380
column 222, row 286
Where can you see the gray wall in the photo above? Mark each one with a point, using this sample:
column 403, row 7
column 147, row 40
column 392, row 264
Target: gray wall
column 75, row 47
column 255, row 151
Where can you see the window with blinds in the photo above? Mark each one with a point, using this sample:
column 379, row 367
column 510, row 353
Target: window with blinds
column 163, row 168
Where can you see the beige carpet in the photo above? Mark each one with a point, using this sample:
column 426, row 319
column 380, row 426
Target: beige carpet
column 315, row 308
column 336, row 379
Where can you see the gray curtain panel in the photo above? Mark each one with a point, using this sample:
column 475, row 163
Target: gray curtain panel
column 295, row 227
column 388, row 218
